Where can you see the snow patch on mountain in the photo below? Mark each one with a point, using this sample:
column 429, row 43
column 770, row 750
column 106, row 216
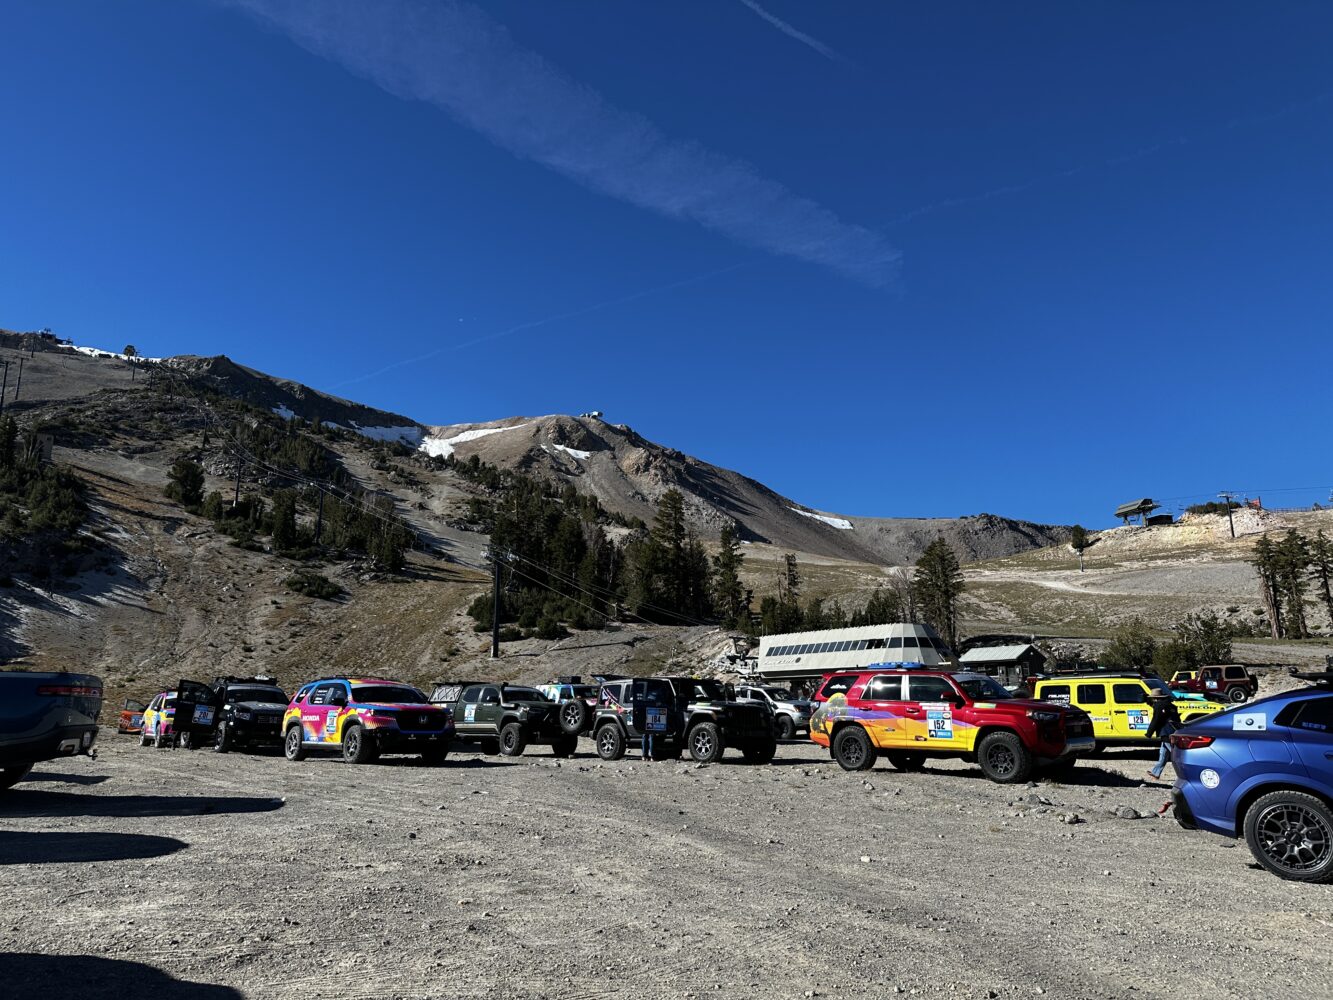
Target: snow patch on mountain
column 841, row 523
column 283, row 412
column 576, row 453
column 444, row 447
column 97, row 352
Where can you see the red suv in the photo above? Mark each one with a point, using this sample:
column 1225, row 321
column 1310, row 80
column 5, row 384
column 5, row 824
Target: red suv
column 911, row 715
column 1231, row 683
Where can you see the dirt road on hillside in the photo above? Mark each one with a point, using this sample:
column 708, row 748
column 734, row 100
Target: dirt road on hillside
column 252, row 877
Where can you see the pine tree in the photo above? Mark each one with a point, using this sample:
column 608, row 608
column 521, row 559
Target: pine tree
column 938, row 582
column 1293, row 562
column 1321, row 570
column 284, row 521
column 186, row 483
column 1265, row 562
column 9, row 432
column 726, row 579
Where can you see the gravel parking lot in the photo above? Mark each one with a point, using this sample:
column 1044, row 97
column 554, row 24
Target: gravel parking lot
column 247, row 876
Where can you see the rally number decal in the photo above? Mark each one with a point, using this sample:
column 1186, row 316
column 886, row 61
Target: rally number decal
column 1138, row 718
column 939, row 721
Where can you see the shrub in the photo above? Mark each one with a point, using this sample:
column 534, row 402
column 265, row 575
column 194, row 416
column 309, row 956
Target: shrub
column 313, row 584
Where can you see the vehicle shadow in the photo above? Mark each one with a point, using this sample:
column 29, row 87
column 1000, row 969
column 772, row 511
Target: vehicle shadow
column 29, row 803
column 67, row 779
column 95, row 978
column 30, row 848
column 1083, row 774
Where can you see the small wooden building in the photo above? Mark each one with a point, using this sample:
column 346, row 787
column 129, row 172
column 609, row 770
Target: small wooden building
column 1010, row 665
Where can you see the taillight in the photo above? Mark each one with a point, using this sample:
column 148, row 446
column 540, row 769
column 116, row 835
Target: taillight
column 1186, row 741
column 69, row 691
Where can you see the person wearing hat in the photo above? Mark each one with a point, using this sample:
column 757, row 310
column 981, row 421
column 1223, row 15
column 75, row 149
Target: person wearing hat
column 1165, row 721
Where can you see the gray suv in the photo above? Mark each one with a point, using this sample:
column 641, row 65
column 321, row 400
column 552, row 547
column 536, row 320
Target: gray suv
column 793, row 714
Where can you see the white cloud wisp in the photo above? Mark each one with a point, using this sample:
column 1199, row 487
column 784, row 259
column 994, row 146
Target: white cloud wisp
column 457, row 58
column 793, row 32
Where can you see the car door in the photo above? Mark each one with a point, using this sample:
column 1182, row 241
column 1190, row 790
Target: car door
column 319, row 714
column 1130, row 712
column 1308, row 727
column 150, row 716
column 1092, row 698
column 197, row 707
column 888, row 712
column 466, row 720
column 489, row 709
column 931, row 703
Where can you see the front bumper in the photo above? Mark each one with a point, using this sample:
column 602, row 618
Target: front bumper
column 406, row 741
column 254, row 732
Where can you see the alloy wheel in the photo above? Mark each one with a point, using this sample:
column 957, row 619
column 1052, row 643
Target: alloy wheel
column 1295, row 838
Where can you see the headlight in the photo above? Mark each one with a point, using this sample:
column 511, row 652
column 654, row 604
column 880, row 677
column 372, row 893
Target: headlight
column 245, row 716
column 1039, row 716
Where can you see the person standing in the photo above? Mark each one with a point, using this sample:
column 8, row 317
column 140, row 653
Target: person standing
column 1165, row 721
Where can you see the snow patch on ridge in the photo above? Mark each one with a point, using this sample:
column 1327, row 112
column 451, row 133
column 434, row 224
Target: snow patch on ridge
column 444, row 447
column 841, row 523
column 97, row 352
column 283, row 412
column 585, row 455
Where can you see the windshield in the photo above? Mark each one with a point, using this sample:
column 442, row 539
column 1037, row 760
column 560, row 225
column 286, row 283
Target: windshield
column 1157, row 684
column 780, row 694
column 386, row 694
column 584, row 691
column 705, row 690
column 267, row 695
column 524, row 694
column 170, row 703
column 983, row 689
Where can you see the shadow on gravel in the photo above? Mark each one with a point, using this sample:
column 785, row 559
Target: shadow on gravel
column 95, row 978
column 32, row 803
column 20, row 848
column 1086, row 775
column 68, row 779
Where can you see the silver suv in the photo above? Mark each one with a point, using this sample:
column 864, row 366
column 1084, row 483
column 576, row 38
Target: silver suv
column 793, row 713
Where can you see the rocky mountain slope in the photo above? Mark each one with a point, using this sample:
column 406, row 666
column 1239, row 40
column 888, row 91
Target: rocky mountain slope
column 629, row 474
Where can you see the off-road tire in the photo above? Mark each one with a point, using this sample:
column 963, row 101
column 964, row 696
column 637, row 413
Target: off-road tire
column 573, row 716
column 358, row 745
column 292, row 747
column 705, row 742
column 144, row 739
column 610, row 741
column 187, row 741
column 224, row 741
column 760, row 751
column 905, row 760
column 1003, row 758
column 161, row 742
column 853, row 750
column 1237, row 694
column 513, row 740
column 1291, row 834
column 11, row 776
column 434, row 756
column 564, row 746
column 786, row 727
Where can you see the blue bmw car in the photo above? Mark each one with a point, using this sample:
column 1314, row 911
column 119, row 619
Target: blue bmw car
column 1264, row 770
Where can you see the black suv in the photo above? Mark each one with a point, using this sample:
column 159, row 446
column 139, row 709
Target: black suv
column 504, row 718
column 685, row 713
column 246, row 712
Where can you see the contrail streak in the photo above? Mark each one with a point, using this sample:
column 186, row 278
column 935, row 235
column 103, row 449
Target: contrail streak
column 796, row 33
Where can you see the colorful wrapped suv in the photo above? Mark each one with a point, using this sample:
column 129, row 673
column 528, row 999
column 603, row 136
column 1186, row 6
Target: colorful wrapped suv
column 365, row 717
column 910, row 715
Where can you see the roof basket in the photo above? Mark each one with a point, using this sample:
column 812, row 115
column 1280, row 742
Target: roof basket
column 1320, row 678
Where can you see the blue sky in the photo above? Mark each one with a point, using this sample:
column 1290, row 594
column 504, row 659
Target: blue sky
column 888, row 259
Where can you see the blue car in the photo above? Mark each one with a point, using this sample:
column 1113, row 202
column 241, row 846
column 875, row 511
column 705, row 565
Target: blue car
column 1264, row 770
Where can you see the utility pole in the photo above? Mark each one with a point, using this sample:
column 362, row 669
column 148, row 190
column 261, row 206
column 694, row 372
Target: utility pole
column 19, row 384
column 319, row 518
column 495, row 604
column 4, row 386
column 236, row 500
column 1230, row 524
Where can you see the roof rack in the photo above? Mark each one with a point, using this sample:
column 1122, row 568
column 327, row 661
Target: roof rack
column 1320, row 678
column 257, row 679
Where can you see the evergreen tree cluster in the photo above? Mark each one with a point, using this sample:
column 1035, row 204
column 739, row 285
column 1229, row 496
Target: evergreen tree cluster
column 1289, row 570
column 1198, row 640
column 41, row 506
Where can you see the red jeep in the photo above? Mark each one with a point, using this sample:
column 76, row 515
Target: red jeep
column 910, row 715
column 1231, row 683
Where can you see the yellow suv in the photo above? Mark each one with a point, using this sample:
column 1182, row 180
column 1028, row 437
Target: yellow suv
column 1118, row 704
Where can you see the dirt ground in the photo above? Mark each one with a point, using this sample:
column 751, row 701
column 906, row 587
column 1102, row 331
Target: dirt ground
column 193, row 874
